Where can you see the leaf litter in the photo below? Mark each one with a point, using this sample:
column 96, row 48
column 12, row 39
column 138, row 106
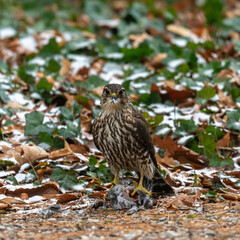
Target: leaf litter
column 181, row 73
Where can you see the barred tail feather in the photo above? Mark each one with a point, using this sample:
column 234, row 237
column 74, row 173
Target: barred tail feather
column 157, row 186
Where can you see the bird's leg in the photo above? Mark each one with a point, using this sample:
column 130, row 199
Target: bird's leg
column 140, row 186
column 115, row 180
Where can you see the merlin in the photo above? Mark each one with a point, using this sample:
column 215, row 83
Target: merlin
column 121, row 134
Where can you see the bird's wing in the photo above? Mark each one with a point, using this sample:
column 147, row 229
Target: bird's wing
column 144, row 135
column 95, row 134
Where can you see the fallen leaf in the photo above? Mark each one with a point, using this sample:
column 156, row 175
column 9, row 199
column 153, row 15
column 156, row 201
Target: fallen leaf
column 65, row 67
column 66, row 197
column 61, row 152
column 46, row 188
column 138, row 39
column 225, row 141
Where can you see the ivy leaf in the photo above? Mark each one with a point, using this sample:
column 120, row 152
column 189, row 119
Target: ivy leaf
column 136, row 54
column 5, row 163
column 92, row 82
column 34, row 124
column 183, row 127
column 205, row 94
column 92, row 162
column 66, row 179
column 233, row 120
column 217, row 162
column 50, row 49
column 209, row 144
column 44, row 84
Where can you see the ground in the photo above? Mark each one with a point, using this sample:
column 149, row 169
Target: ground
column 209, row 221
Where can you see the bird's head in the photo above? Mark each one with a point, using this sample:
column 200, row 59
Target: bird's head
column 114, row 97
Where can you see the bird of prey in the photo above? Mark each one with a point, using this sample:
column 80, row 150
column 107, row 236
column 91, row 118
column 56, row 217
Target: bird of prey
column 122, row 135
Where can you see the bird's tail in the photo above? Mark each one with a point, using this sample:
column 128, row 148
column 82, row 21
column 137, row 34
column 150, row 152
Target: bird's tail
column 157, row 185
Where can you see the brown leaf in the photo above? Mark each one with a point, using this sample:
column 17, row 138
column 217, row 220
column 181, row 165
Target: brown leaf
column 225, row 100
column 180, row 153
column 86, row 119
column 166, row 160
column 61, row 152
column 225, row 141
column 98, row 90
column 138, row 38
column 66, row 197
column 184, row 199
column 46, row 188
column 182, row 31
column 156, row 61
column 65, row 67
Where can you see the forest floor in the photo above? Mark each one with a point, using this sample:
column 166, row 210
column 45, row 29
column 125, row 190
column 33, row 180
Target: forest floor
column 71, row 221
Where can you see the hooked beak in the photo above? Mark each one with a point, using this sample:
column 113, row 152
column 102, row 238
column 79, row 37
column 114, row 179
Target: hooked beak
column 114, row 97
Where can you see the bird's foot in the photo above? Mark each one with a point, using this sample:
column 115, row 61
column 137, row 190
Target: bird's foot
column 140, row 187
column 114, row 182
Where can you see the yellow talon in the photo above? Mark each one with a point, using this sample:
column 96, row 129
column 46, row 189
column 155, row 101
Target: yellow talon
column 140, row 187
column 114, row 182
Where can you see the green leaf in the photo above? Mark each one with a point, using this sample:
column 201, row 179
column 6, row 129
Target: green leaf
column 213, row 16
column 217, row 162
column 184, row 127
column 233, row 120
column 12, row 179
column 209, row 144
column 26, row 77
column 206, row 93
column 92, row 82
column 53, row 66
column 97, row 10
column 34, row 124
column 66, row 114
column 92, row 162
column 3, row 67
column 52, row 48
column 136, row 54
column 44, row 84
column 5, row 163
column 66, row 179
column 67, row 133
column 211, row 194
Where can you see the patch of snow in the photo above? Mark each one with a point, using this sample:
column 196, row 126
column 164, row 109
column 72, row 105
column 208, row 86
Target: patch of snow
column 29, row 43
column 180, row 42
column 184, row 140
column 24, row 167
column 20, row 98
column 108, row 22
column 38, row 61
column 20, row 177
column 7, row 32
column 5, row 173
column 6, row 144
column 79, row 187
column 175, row 63
column 114, row 55
column 139, row 75
column 208, row 72
column 163, row 131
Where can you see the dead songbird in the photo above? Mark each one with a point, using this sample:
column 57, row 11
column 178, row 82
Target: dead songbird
column 122, row 135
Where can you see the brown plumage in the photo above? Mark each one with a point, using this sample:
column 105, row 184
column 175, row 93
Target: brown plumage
column 122, row 135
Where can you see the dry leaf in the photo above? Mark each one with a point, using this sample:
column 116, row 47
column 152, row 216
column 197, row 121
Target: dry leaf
column 65, row 67
column 61, row 152
column 138, row 39
column 66, row 197
column 182, row 31
column 46, row 188
column 225, row 141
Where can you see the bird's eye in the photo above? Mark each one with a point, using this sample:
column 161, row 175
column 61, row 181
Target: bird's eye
column 121, row 91
column 106, row 91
